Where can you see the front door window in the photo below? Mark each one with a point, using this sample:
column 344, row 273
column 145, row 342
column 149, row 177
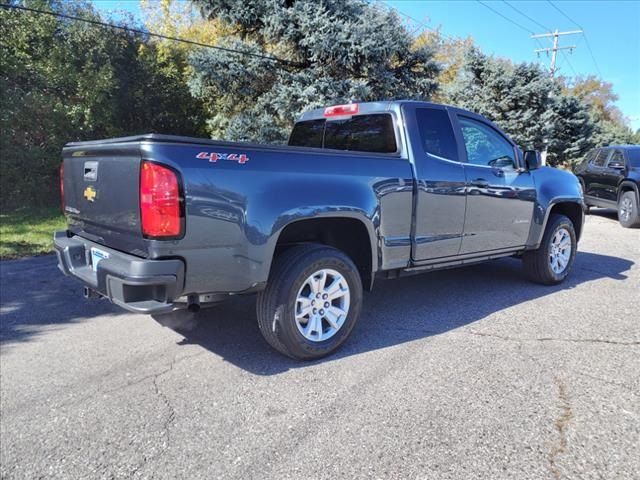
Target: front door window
column 485, row 146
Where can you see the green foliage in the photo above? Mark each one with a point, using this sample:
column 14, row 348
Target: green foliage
column 64, row 81
column 614, row 133
column 569, row 134
column 29, row 231
column 336, row 51
column 525, row 103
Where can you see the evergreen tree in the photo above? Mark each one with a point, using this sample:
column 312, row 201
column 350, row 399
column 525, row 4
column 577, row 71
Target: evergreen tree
column 525, row 103
column 334, row 51
column 569, row 132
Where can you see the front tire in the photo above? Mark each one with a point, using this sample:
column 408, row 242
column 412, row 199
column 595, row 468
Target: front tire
column 628, row 211
column 311, row 303
column 552, row 261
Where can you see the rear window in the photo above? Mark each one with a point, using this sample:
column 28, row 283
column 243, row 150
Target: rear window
column 361, row 133
column 307, row 134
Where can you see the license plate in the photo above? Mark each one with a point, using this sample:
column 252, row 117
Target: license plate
column 96, row 256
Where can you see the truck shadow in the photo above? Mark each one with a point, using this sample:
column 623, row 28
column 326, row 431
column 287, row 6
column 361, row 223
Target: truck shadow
column 608, row 213
column 397, row 311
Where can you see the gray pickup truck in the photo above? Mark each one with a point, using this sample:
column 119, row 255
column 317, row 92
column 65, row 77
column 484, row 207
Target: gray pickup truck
column 362, row 191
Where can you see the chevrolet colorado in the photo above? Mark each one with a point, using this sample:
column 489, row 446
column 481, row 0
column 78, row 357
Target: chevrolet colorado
column 381, row 189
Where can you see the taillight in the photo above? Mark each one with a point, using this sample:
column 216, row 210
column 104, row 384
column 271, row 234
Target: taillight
column 339, row 110
column 159, row 201
column 62, row 186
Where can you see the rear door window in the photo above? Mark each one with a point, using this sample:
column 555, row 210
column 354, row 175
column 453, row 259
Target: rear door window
column 436, row 133
column 362, row 133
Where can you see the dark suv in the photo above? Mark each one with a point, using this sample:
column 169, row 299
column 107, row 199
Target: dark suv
column 610, row 178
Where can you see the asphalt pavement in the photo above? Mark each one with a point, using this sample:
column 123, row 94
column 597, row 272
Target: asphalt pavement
column 466, row 373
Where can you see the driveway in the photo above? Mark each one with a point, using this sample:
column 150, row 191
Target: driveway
column 468, row 373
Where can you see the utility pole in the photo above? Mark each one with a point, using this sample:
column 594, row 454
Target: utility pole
column 554, row 50
column 552, row 68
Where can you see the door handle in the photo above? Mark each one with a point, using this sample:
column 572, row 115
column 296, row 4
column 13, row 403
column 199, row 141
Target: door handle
column 480, row 183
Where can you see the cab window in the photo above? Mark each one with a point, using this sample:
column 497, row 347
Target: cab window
column 589, row 156
column 485, row 146
column 616, row 159
column 601, row 159
column 436, row 133
column 361, row 133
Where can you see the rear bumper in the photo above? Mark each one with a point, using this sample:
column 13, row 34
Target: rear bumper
column 136, row 284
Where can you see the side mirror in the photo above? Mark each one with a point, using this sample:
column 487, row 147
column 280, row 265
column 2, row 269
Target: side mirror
column 532, row 159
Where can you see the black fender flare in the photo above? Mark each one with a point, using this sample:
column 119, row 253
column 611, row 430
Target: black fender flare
column 541, row 218
column 634, row 187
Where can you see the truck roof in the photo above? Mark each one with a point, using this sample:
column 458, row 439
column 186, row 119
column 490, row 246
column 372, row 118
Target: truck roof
column 375, row 107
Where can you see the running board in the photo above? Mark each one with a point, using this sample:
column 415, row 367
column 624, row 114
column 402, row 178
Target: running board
column 449, row 264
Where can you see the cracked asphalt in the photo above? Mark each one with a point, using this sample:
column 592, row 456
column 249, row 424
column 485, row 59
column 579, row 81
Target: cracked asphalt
column 468, row 373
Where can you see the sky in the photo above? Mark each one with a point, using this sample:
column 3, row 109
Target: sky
column 612, row 30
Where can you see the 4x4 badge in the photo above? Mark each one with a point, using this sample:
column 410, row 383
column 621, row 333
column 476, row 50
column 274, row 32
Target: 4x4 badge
column 213, row 157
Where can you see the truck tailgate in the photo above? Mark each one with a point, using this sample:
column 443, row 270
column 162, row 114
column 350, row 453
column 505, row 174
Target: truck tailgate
column 101, row 194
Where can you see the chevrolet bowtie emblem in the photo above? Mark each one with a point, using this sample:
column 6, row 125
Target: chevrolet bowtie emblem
column 90, row 194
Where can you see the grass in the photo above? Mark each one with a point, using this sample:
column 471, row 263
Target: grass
column 29, row 231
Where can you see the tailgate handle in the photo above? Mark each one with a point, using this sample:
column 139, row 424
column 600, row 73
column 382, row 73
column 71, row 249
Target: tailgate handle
column 90, row 171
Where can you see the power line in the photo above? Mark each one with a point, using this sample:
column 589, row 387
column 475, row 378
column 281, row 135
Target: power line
column 418, row 22
column 586, row 39
column 527, row 16
column 555, row 47
column 564, row 55
column 150, row 34
column 505, row 17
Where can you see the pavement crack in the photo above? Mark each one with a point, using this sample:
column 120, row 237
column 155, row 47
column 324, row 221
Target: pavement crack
column 561, row 425
column 169, row 417
column 552, row 339
column 609, row 382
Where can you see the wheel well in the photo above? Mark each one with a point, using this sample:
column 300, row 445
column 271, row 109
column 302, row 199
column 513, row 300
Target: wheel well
column 346, row 234
column 573, row 211
column 627, row 187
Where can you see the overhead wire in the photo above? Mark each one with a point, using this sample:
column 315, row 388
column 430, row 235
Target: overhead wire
column 584, row 34
column 566, row 58
column 510, row 20
column 417, row 22
column 150, row 34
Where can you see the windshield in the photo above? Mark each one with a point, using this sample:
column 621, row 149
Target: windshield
column 360, row 133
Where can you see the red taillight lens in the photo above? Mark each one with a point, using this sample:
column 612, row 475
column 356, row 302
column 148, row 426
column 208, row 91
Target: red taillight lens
column 338, row 110
column 159, row 201
column 62, row 186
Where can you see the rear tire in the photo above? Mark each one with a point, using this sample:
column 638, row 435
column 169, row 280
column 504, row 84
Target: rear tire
column 552, row 261
column 628, row 211
column 298, row 275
